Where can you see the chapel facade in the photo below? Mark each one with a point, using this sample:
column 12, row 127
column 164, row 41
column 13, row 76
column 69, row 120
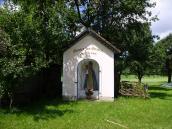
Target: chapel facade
column 88, row 68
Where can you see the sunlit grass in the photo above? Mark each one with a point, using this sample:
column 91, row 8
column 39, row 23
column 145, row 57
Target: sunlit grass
column 146, row 79
column 134, row 113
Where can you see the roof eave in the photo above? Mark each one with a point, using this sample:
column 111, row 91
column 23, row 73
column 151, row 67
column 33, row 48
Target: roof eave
column 95, row 35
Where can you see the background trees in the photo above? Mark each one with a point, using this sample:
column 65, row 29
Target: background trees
column 3, row 48
column 140, row 50
column 162, row 56
column 39, row 30
column 126, row 24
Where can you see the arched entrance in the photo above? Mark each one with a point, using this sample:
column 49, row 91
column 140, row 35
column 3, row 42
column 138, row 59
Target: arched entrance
column 88, row 79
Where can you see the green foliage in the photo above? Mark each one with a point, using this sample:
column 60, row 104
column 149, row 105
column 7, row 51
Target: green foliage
column 159, row 55
column 140, row 51
column 4, row 41
column 37, row 31
column 114, row 19
column 125, row 23
column 138, row 69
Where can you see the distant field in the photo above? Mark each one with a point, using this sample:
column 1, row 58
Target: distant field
column 124, row 112
column 146, row 79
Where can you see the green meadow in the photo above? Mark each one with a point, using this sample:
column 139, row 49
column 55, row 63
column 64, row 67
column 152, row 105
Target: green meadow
column 124, row 112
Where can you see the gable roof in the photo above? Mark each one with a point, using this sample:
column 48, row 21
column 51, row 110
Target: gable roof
column 96, row 36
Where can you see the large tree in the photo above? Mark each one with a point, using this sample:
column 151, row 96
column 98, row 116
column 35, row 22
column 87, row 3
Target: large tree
column 162, row 56
column 113, row 18
column 37, row 31
column 125, row 23
column 4, row 40
column 140, row 51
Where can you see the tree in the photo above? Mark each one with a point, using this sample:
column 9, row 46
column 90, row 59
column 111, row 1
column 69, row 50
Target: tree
column 162, row 56
column 125, row 23
column 138, row 59
column 112, row 18
column 169, row 63
column 3, row 41
column 38, row 30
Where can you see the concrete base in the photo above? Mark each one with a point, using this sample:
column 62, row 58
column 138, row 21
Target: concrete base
column 74, row 98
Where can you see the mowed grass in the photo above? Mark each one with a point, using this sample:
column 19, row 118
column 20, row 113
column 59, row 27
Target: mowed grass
column 124, row 112
column 153, row 79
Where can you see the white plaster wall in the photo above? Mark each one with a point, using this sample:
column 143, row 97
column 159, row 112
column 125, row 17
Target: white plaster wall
column 99, row 53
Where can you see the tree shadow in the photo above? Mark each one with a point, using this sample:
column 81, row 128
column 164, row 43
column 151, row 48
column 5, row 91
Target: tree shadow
column 159, row 88
column 50, row 113
column 43, row 110
column 160, row 92
column 160, row 95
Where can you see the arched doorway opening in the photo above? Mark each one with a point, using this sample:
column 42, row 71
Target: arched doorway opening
column 88, row 79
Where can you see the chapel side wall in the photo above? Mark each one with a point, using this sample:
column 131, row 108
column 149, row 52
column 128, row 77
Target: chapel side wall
column 108, row 79
column 105, row 59
column 69, row 85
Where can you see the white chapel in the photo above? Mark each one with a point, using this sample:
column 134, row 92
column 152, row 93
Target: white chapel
column 88, row 68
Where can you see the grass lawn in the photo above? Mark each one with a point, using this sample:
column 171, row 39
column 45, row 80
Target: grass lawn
column 134, row 113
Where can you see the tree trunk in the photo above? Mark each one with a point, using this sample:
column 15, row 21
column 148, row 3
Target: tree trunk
column 140, row 79
column 168, row 70
column 11, row 100
column 169, row 75
column 117, row 82
column 118, row 79
column 0, row 101
column 139, row 76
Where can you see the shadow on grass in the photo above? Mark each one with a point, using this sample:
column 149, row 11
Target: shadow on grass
column 160, row 92
column 43, row 110
column 161, row 95
column 159, row 88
